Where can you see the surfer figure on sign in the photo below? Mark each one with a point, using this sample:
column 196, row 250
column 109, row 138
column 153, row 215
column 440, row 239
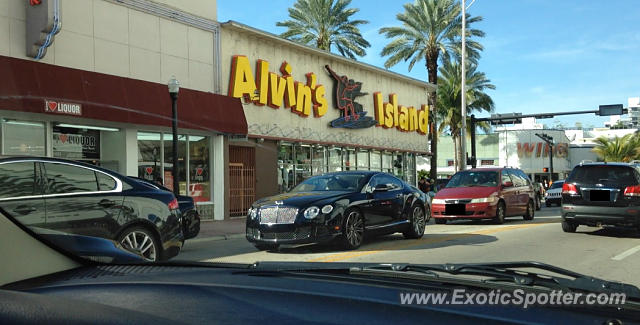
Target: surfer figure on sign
column 346, row 91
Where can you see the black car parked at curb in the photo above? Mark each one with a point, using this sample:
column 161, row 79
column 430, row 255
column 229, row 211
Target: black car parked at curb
column 597, row 194
column 83, row 199
column 190, row 216
column 343, row 206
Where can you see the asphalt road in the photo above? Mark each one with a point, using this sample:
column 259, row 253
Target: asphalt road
column 608, row 253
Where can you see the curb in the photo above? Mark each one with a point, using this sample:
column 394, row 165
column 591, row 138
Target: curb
column 215, row 238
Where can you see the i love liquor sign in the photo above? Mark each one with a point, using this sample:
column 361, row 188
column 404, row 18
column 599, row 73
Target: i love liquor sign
column 51, row 106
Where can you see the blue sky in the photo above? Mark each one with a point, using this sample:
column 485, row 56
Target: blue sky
column 542, row 55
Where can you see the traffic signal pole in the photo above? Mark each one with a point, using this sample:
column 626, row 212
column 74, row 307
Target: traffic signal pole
column 603, row 110
column 551, row 161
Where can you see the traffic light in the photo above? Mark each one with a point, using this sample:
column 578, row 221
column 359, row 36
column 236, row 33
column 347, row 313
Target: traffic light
column 545, row 170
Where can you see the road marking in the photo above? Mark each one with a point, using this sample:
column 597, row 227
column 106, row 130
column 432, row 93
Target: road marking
column 626, row 253
column 425, row 240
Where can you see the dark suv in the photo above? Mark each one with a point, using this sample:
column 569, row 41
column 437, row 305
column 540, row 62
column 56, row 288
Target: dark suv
column 597, row 194
column 83, row 199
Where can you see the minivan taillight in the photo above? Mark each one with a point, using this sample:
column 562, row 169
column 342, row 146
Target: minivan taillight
column 173, row 205
column 632, row 191
column 569, row 189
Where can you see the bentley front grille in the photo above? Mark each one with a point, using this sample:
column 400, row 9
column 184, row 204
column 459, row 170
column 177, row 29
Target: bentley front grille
column 278, row 215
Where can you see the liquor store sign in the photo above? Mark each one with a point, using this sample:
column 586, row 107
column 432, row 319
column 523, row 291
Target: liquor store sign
column 51, row 106
column 308, row 98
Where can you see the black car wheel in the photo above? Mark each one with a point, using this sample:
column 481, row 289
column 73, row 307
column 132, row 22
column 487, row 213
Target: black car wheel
column 500, row 210
column 441, row 221
column 267, row 247
column 141, row 241
column 538, row 203
column 417, row 224
column 353, row 229
column 568, row 226
column 530, row 211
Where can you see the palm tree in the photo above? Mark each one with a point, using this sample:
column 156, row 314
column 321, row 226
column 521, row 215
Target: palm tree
column 620, row 149
column 430, row 31
column 326, row 23
column 450, row 100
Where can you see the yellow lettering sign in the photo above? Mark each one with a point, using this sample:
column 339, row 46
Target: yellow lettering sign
column 277, row 90
column 242, row 83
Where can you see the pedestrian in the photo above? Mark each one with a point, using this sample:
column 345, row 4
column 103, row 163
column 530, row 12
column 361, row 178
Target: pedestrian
column 159, row 181
column 423, row 185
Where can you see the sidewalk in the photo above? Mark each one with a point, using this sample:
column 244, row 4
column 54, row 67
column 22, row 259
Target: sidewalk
column 221, row 230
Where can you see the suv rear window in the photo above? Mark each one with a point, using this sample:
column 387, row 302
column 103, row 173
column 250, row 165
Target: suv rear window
column 556, row 185
column 604, row 174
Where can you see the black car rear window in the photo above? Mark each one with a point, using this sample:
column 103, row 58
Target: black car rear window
column 604, row 174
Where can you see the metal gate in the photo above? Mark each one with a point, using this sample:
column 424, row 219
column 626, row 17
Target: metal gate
column 242, row 179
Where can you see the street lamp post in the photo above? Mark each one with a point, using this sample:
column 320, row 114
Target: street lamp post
column 174, row 87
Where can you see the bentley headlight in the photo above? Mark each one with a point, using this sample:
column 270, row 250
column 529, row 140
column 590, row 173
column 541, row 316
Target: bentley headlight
column 327, row 208
column 311, row 212
column 253, row 213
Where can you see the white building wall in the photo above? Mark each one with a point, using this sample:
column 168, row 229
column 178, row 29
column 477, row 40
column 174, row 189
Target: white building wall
column 105, row 36
column 532, row 163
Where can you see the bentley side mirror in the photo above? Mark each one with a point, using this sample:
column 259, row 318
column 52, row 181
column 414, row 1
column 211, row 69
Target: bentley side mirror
column 507, row 184
column 381, row 188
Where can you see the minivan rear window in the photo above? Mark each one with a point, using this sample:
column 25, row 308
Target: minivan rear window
column 603, row 174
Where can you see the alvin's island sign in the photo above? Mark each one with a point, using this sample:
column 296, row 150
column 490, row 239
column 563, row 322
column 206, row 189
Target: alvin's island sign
column 309, row 97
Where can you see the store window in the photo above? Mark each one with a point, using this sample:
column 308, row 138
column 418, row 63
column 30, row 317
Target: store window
column 349, row 159
column 335, row 159
column 363, row 160
column 285, row 167
column 23, row 138
column 375, row 160
column 319, row 162
column 168, row 162
column 76, row 143
column 411, row 169
column 303, row 163
column 199, row 168
column 149, row 159
column 387, row 163
column 398, row 165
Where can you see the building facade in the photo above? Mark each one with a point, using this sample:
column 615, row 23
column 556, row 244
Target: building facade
column 87, row 80
column 310, row 112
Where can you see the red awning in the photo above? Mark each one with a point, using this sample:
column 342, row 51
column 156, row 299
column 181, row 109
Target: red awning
column 25, row 85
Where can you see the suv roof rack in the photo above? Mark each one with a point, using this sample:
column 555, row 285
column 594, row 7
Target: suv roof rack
column 586, row 162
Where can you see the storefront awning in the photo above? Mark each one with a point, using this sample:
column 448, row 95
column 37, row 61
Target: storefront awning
column 26, row 86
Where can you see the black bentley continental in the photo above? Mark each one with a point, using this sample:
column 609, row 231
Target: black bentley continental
column 342, row 207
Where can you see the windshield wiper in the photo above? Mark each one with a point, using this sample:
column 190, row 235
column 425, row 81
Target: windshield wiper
column 494, row 274
column 512, row 272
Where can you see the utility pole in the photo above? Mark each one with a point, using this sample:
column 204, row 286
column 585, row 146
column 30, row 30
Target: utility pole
column 463, row 113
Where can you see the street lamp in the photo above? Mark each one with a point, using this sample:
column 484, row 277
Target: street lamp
column 174, row 88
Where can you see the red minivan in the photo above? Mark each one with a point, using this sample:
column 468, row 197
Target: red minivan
column 485, row 193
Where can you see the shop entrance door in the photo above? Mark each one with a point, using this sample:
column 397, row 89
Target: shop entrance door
column 242, row 180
